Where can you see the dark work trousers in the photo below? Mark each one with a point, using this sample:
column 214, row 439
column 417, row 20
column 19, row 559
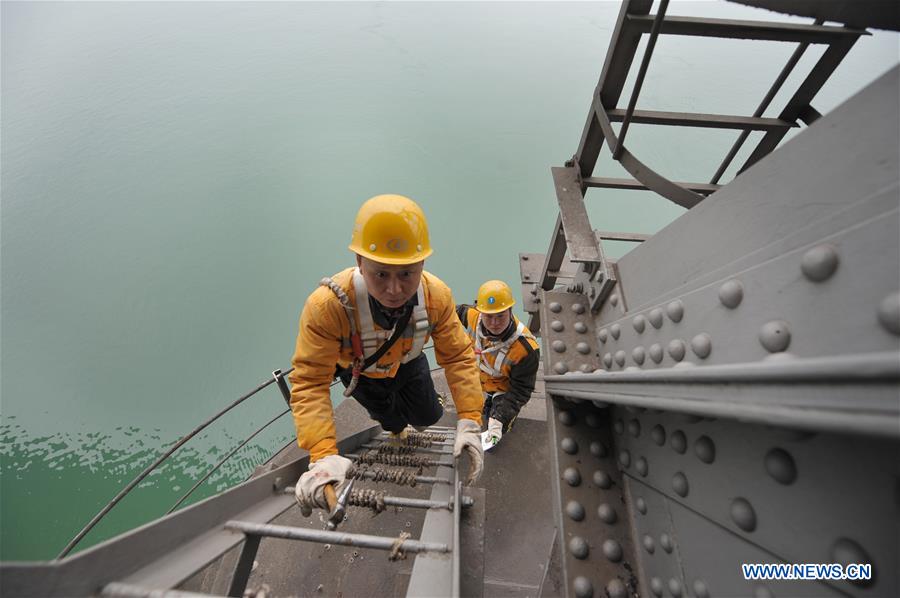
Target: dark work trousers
column 407, row 398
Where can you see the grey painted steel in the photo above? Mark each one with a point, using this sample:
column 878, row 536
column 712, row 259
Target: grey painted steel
column 326, row 537
column 750, row 491
column 639, row 80
column 596, row 551
column 244, row 566
column 755, row 30
column 436, row 574
column 580, row 241
column 880, row 14
column 123, row 590
column 635, row 185
column 278, row 375
column 164, row 553
column 711, row 121
column 802, row 98
column 641, row 172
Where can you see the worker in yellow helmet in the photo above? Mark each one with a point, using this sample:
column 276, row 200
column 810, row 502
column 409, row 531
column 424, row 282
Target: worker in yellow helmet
column 367, row 325
column 508, row 357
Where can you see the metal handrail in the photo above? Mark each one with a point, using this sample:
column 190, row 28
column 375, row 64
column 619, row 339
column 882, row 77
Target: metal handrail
column 278, row 376
column 149, row 469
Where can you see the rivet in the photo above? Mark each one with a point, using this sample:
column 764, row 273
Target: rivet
column 638, row 355
column 634, row 428
column 639, row 322
column 641, row 505
column 574, row 510
column 606, row 513
column 372, row 247
column 658, row 435
column 701, row 345
column 607, row 360
column 620, row 358
column 569, row 445
column 571, row 476
column 560, row 368
column 419, row 247
column 618, row 426
column 656, row 586
column 676, row 349
column 656, row 317
column 675, row 587
column 583, row 348
column 666, row 542
column 555, row 307
column 889, row 313
column 705, row 449
column 612, row 550
column 586, row 368
column 602, row 480
column 675, row 310
column 583, row 587
column 615, row 330
column 578, row 547
column 679, row 442
column 578, row 308
column 557, row 326
column 616, row 589
column 566, row 418
column 846, row 551
column 614, row 299
column 580, row 327
column 743, row 515
column 641, row 466
column 603, row 335
column 656, row 352
column 819, row 263
column 598, row 450
column 731, row 293
column 599, row 404
column 558, row 346
column 775, row 336
column 592, row 420
column 780, row 465
column 680, row 484
column 649, row 544
column 700, row 589
column 624, row 458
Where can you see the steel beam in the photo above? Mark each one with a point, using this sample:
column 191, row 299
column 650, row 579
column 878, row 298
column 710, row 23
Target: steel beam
column 755, row 30
column 708, row 121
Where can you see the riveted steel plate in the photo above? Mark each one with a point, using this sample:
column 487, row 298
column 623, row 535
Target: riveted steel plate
column 568, row 343
column 798, row 497
column 596, row 548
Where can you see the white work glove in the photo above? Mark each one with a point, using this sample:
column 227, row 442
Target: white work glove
column 491, row 437
column 310, row 488
column 468, row 437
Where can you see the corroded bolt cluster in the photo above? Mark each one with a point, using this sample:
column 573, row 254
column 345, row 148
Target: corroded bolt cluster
column 367, row 498
column 393, row 449
column 372, row 457
column 381, row 474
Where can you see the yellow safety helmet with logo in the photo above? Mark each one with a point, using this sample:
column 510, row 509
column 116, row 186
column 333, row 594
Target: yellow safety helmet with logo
column 494, row 296
column 391, row 229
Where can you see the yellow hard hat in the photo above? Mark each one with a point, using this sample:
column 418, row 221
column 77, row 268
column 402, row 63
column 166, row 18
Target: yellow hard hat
column 494, row 296
column 391, row 229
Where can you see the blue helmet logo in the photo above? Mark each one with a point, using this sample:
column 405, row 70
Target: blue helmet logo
column 491, row 300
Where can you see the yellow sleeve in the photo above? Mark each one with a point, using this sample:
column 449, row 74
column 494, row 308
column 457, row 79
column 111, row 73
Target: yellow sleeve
column 315, row 356
column 453, row 350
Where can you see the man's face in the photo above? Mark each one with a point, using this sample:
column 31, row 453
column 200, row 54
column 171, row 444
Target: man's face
column 496, row 323
column 392, row 286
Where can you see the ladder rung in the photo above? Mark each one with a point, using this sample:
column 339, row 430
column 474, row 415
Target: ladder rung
column 326, row 537
column 711, row 121
column 633, row 185
column 740, row 29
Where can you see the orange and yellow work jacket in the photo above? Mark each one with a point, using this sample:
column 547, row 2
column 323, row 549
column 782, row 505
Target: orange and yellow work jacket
column 324, row 342
column 508, row 365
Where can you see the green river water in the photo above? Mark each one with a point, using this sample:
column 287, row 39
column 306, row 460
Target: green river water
column 176, row 178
